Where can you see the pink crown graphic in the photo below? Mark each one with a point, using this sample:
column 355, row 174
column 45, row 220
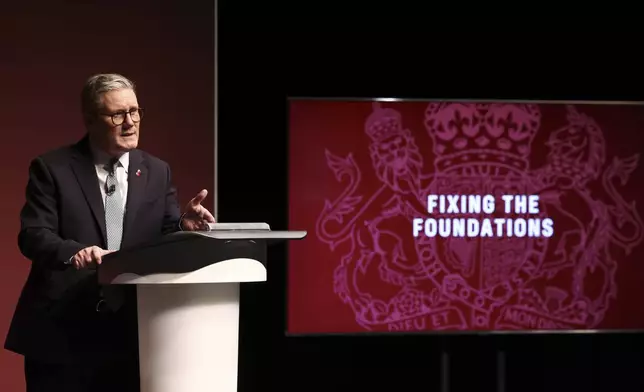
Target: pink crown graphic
column 383, row 123
column 489, row 134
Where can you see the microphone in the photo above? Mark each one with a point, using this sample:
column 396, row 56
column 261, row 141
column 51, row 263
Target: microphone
column 110, row 190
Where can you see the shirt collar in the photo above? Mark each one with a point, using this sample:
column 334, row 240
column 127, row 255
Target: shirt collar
column 101, row 158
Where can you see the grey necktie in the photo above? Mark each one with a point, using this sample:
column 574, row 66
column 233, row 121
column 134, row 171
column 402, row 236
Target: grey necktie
column 114, row 213
column 114, row 208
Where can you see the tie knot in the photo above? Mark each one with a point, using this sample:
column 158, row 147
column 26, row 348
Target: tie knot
column 112, row 165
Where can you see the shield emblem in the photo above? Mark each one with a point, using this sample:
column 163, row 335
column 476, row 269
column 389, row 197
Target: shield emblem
column 473, row 268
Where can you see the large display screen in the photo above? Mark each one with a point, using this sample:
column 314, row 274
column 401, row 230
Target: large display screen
column 465, row 216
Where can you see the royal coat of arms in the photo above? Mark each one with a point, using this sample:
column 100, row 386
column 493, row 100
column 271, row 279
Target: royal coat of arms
column 393, row 281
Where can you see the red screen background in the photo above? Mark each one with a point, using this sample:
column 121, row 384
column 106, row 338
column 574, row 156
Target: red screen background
column 165, row 47
column 360, row 171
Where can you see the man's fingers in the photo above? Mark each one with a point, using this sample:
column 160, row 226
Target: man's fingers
column 96, row 255
column 80, row 262
column 78, row 259
column 207, row 216
column 89, row 255
column 199, row 198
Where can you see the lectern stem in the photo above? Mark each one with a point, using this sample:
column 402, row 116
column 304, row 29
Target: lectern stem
column 188, row 337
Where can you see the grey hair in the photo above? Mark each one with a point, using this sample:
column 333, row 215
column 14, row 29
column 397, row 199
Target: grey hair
column 98, row 85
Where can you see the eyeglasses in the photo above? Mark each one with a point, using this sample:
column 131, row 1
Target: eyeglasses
column 118, row 118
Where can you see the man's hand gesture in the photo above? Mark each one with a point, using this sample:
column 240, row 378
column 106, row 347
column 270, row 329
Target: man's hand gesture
column 196, row 216
column 87, row 256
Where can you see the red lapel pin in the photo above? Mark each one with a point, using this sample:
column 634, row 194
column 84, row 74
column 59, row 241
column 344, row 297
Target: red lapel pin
column 138, row 173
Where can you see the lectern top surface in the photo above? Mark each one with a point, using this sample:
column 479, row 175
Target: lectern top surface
column 253, row 234
column 238, row 226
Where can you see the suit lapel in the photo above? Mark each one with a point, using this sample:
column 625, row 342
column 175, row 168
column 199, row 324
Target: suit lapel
column 137, row 181
column 85, row 173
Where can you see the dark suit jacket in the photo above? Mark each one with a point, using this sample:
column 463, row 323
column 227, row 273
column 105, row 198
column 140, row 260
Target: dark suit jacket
column 56, row 318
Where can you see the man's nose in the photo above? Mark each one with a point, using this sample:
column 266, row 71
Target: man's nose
column 128, row 123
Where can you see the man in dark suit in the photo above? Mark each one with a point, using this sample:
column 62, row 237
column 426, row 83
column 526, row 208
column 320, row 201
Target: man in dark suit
column 83, row 202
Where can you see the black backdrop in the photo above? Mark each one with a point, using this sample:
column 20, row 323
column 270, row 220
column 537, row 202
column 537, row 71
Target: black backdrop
column 259, row 68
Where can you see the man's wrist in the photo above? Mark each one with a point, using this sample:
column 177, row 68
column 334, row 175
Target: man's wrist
column 181, row 220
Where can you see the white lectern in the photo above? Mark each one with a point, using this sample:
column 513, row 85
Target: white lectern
column 188, row 302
